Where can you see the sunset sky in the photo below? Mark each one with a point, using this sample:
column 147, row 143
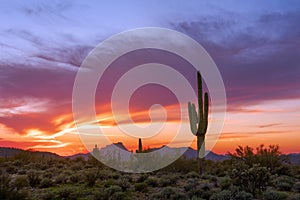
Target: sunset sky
column 255, row 45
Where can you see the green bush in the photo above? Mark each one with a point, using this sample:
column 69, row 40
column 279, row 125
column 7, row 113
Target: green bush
column 142, row 178
column 297, row 187
column 225, row 183
column 295, row 197
column 250, row 179
column 141, row 187
column 192, row 174
column 275, row 195
column 152, row 181
column 112, row 190
column 61, row 179
column 169, row 193
column 66, row 193
column 223, row 195
column 34, row 178
column 75, row 178
column 19, row 182
column 284, row 183
column 46, row 182
column 91, row 177
column 119, row 196
column 242, row 195
column 124, row 184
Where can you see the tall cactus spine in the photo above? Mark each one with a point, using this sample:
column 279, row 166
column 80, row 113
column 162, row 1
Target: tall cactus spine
column 199, row 122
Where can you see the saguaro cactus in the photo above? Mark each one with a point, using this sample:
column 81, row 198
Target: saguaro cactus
column 140, row 150
column 199, row 121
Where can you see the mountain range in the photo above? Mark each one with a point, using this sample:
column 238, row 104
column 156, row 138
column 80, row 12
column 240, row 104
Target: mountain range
column 188, row 152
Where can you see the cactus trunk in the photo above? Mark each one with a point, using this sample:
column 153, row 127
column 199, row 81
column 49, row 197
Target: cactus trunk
column 140, row 145
column 199, row 121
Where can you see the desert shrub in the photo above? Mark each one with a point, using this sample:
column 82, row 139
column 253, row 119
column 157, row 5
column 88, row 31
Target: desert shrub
column 19, row 182
column 172, row 193
column 169, row 193
column 164, row 182
column 242, row 195
column 46, row 182
column 141, row 187
column 109, row 182
column 275, row 195
column 7, row 192
column 91, row 176
column 76, row 167
column 104, row 174
column 75, row 178
column 142, row 178
column 124, row 184
column 99, row 194
column 284, row 183
column 225, row 182
column 295, row 197
column 66, row 193
column 250, row 179
column 182, row 165
column 48, row 174
column 114, row 175
column 192, row 174
column 61, row 179
column 152, row 181
column 112, row 190
column 223, row 195
column 11, row 169
column 268, row 157
column 296, row 187
column 34, row 178
column 47, row 195
column 119, row 196
column 22, row 172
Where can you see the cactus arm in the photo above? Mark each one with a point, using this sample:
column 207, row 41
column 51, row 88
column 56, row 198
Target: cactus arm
column 193, row 118
column 195, row 113
column 206, row 104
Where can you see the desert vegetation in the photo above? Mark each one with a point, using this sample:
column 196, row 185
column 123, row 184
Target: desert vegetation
column 261, row 173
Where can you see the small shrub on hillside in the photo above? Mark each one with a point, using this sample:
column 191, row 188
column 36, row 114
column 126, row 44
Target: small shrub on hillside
column 75, row 178
column 295, row 197
column 250, row 179
column 141, row 187
column 169, row 193
column 223, row 195
column 66, row 193
column 275, row 195
column 112, row 190
column 91, row 176
column 142, row 178
column 192, row 174
column 164, row 182
column 124, row 184
column 11, row 169
column 34, row 178
column 152, row 181
column 46, row 182
column 61, row 179
column 284, row 183
column 296, row 187
column 242, row 195
column 225, row 183
column 19, row 182
column 119, row 196
column 109, row 182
